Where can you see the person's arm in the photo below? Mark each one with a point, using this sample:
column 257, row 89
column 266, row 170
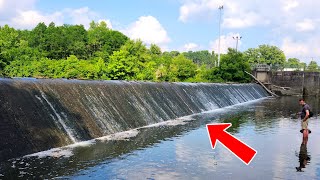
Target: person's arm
column 307, row 115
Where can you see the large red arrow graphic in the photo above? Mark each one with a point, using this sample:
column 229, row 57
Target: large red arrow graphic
column 236, row 146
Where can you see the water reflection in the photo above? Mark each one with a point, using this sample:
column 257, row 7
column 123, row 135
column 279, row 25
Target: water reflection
column 101, row 152
column 304, row 157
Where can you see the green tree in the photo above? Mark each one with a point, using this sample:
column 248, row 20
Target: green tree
column 113, row 41
column 76, row 38
column 37, row 37
column 201, row 58
column 103, row 41
column 129, row 61
column 313, row 66
column 96, row 34
column 71, row 51
column 232, row 68
column 55, row 43
column 252, row 55
column 8, row 40
column 181, row 69
column 202, row 74
column 172, row 53
column 22, row 52
column 293, row 63
column 272, row 55
column 265, row 54
column 163, row 63
column 155, row 50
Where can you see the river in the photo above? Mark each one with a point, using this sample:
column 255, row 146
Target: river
column 180, row 149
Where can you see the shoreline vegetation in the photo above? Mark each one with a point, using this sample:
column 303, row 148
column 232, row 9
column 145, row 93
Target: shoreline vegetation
column 100, row 53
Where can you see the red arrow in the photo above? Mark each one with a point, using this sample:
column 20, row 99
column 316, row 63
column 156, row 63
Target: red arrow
column 236, row 146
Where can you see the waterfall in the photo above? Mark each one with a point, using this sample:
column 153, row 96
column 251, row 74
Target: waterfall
column 39, row 114
column 61, row 121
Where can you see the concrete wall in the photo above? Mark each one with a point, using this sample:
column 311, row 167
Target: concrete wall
column 263, row 76
column 40, row 114
column 297, row 80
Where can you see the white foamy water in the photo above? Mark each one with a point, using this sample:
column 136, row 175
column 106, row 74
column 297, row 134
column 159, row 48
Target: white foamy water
column 67, row 151
column 179, row 121
column 55, row 153
column 120, row 136
column 82, row 144
column 236, row 105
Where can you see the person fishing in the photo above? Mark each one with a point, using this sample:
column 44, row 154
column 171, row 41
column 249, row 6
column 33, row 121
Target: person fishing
column 305, row 114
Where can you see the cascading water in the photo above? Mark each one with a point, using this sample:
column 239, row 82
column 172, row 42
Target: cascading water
column 59, row 119
column 42, row 114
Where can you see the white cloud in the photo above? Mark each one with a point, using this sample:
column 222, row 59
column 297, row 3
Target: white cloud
column 7, row 6
column 227, row 41
column 11, row 8
column 196, row 9
column 1, row 4
column 248, row 13
column 290, row 20
column 305, row 25
column 29, row 19
column 23, row 15
column 81, row 16
column 149, row 30
column 191, row 47
column 291, row 48
column 235, row 14
column 243, row 21
column 303, row 50
column 289, row 5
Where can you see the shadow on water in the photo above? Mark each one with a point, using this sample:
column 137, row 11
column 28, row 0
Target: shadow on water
column 28, row 123
column 304, row 157
column 236, row 120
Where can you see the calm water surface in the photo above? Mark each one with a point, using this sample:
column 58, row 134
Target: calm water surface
column 181, row 149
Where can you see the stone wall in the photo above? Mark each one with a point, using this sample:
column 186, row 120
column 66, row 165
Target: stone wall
column 299, row 82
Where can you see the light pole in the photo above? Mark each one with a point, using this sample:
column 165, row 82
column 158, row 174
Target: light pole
column 237, row 38
column 220, row 9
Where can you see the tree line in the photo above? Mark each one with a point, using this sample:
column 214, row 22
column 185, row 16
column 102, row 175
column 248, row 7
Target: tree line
column 71, row 51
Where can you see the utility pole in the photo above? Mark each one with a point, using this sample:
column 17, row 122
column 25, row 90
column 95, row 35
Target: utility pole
column 219, row 51
column 237, row 38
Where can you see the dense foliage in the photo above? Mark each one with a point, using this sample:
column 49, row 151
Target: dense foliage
column 265, row 54
column 71, row 51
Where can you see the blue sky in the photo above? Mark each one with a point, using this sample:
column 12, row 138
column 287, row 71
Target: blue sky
column 292, row 25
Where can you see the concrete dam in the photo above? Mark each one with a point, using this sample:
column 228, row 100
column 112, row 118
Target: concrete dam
column 40, row 114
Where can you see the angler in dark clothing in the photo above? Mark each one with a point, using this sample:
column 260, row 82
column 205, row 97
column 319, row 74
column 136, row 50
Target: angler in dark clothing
column 305, row 114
